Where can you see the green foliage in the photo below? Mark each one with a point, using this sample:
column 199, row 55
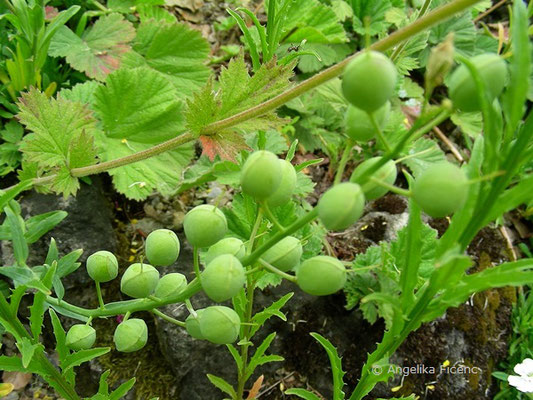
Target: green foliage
column 10, row 156
column 237, row 92
column 175, row 50
column 99, row 50
column 61, row 138
column 127, row 128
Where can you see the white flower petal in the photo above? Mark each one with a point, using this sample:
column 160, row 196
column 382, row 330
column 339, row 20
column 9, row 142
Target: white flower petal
column 523, row 384
column 525, row 368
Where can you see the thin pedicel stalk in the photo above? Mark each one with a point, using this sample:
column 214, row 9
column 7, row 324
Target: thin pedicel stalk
column 428, row 20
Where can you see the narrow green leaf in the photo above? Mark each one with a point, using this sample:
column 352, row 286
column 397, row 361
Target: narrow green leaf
column 222, row 385
column 236, row 356
column 39, row 306
column 79, row 357
column 60, row 335
column 20, row 246
column 273, row 310
column 10, row 194
column 520, row 68
column 303, row 394
column 336, row 365
column 259, row 357
column 412, row 255
column 122, row 390
column 27, row 350
column 38, row 225
column 256, row 63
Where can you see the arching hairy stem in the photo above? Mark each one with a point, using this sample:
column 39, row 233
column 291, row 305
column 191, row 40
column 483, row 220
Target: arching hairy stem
column 425, row 22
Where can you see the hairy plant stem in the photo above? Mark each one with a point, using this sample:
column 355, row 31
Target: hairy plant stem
column 438, row 15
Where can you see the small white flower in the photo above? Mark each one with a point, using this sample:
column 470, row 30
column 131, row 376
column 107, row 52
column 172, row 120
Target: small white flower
column 524, row 381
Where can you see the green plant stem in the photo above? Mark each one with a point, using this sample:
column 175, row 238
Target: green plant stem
column 253, row 235
column 122, row 307
column 275, row 270
column 52, row 374
column 396, row 53
column 135, row 157
column 254, row 256
column 430, row 19
column 99, row 295
column 196, row 262
column 344, row 159
column 436, row 16
column 271, row 216
column 392, row 188
column 167, row 318
column 250, row 288
column 379, row 132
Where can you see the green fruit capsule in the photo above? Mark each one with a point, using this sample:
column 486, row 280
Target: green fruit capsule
column 220, row 325
column 359, row 126
column 386, row 173
column 369, row 81
column 341, row 206
column 284, row 255
column 80, row 337
column 223, row 278
column 441, row 189
column 321, row 275
column 139, row 280
column 286, row 187
column 492, row 71
column 205, row 225
column 170, row 284
column 102, row 266
column 192, row 325
column 131, row 335
column 232, row 246
column 261, row 174
column 162, row 247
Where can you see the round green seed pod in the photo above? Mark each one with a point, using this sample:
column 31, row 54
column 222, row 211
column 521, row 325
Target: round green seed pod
column 131, row 335
column 102, row 266
column 205, row 225
column 341, row 206
column 232, row 246
column 441, row 189
column 223, row 278
column 220, row 325
column 162, row 247
column 359, row 126
column 369, row 81
column 286, row 187
column 321, row 275
column 170, row 284
column 284, row 255
column 192, row 325
column 139, row 280
column 261, row 174
column 80, row 337
column 462, row 87
column 386, row 173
